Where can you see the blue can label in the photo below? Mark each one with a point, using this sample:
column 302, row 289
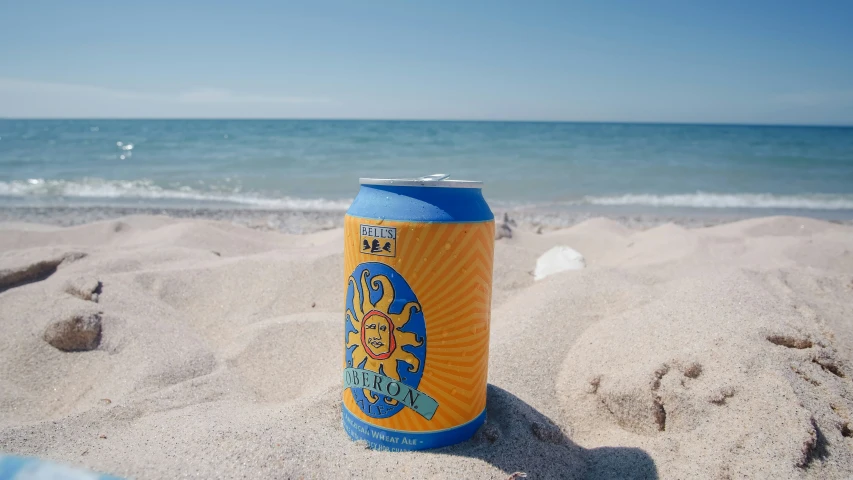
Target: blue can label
column 385, row 343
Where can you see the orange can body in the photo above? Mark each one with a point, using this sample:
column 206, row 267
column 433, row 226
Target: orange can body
column 417, row 312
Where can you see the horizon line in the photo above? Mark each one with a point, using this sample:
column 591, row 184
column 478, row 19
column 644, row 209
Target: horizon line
column 435, row 120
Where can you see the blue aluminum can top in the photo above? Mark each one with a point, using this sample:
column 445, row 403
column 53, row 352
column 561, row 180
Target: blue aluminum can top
column 433, row 198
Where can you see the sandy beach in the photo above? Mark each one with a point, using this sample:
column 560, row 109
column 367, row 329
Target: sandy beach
column 209, row 349
column 254, row 241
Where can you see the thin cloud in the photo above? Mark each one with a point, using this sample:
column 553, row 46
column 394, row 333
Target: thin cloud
column 220, row 95
column 817, row 98
column 11, row 85
column 195, row 96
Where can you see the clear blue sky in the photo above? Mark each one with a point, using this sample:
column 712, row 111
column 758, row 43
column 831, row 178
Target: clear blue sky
column 680, row 61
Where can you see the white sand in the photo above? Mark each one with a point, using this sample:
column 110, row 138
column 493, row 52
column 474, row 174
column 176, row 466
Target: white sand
column 720, row 352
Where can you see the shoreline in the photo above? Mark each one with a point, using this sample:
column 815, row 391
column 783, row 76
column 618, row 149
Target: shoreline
column 310, row 221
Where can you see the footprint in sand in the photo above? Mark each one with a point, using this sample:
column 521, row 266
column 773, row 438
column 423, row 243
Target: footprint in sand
column 820, row 368
column 644, row 410
column 823, row 357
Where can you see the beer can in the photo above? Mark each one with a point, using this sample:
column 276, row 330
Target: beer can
column 418, row 259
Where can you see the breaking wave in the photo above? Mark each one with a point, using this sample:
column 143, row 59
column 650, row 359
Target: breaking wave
column 735, row 200
column 109, row 191
column 117, row 191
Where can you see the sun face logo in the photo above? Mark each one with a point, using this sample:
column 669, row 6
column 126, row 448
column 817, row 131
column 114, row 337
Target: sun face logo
column 385, row 343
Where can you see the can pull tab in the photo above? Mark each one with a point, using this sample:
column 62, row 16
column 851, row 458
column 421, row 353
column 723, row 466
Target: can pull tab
column 434, row 177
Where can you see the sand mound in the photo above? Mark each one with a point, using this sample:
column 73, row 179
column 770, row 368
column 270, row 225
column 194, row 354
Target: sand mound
column 676, row 353
column 688, row 374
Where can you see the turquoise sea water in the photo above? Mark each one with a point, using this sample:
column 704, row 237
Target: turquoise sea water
column 298, row 164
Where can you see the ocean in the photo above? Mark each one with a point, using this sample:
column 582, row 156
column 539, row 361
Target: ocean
column 315, row 164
